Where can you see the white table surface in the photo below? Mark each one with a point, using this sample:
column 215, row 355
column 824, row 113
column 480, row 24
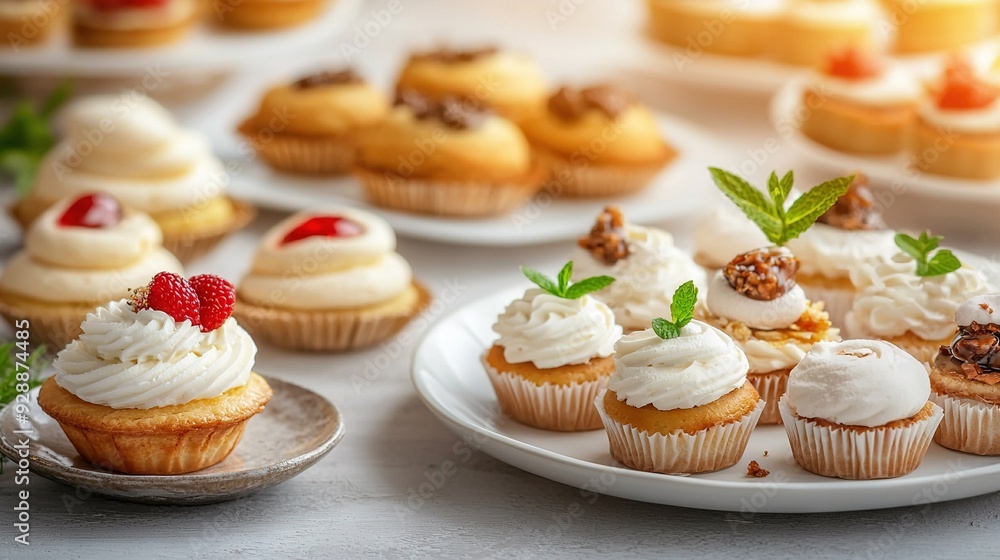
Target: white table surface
column 364, row 499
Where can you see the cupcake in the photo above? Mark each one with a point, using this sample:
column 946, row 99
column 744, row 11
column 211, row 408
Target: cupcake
column 511, row 84
column 329, row 281
column 598, row 141
column 735, row 27
column 849, row 233
column 910, row 298
column 964, row 378
column 809, row 29
column 267, row 14
column 132, row 23
column 327, row 112
column 79, row 254
column 158, row 384
column 553, row 354
column 645, row 263
column 133, row 149
column 448, row 158
column 858, row 410
column 29, row 22
column 679, row 400
column 723, row 233
column 858, row 104
column 940, row 25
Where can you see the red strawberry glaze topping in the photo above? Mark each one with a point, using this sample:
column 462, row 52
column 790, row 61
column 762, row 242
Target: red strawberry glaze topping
column 323, row 226
column 853, row 64
column 98, row 211
column 963, row 90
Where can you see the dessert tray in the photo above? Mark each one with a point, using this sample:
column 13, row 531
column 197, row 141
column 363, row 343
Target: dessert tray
column 449, row 378
column 297, row 428
column 207, row 48
column 541, row 220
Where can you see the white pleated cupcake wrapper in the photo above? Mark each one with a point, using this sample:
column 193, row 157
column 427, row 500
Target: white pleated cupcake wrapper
column 858, row 455
column 707, row 450
column 969, row 426
column 837, row 302
column 562, row 408
column 770, row 386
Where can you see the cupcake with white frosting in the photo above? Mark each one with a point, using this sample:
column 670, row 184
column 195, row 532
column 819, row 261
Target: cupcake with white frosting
column 161, row 383
column 679, row 400
column 905, row 300
column 645, row 263
column 553, row 354
column 810, row 29
column 723, row 233
column 81, row 253
column 858, row 409
column 329, row 281
column 965, row 379
column 134, row 150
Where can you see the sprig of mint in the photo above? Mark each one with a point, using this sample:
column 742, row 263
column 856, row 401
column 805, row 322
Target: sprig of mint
column 681, row 312
column 940, row 263
column 562, row 286
column 780, row 225
column 27, row 137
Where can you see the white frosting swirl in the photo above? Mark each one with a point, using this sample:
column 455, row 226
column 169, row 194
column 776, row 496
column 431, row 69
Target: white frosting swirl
column 697, row 368
column 984, row 120
column 831, row 252
column 551, row 331
column 894, row 86
column 858, row 383
column 984, row 310
column 145, row 360
column 645, row 280
column 723, row 234
column 892, row 300
column 726, row 303
column 322, row 272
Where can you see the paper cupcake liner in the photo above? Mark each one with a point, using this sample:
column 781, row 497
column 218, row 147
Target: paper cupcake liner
column 771, row 386
column 316, row 155
column 561, row 408
column 837, row 302
column 858, row 455
column 255, row 14
column 586, row 181
column 969, row 426
column 448, row 198
column 326, row 330
column 106, row 37
column 189, row 246
column 55, row 327
column 707, row 450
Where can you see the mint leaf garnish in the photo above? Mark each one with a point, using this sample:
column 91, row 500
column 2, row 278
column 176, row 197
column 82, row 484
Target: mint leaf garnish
column 562, row 287
column 940, row 263
column 681, row 312
column 27, row 137
column 665, row 329
column 564, row 276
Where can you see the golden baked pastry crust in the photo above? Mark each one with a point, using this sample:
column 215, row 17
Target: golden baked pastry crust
column 853, row 128
column 959, row 386
column 105, row 38
column 266, row 14
column 923, row 414
column 956, row 154
column 731, row 407
column 824, row 282
column 813, row 326
column 593, row 370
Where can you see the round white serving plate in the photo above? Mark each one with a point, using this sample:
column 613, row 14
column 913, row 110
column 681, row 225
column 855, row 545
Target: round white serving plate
column 207, row 48
column 449, row 378
column 673, row 193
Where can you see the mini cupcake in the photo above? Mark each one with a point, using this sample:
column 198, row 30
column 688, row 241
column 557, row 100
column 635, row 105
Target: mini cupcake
column 810, row 29
column 858, row 410
column 553, row 357
column 858, row 104
column 159, row 384
column 329, row 281
column 325, row 113
column 940, row 25
column 910, row 299
column 964, row 378
column 598, row 141
column 132, row 23
column 134, row 150
column 645, row 263
column 79, row 254
column 849, row 233
column 723, row 233
column 511, row 84
column 679, row 400
column 29, row 22
column 447, row 158
column 735, row 27
column 267, row 14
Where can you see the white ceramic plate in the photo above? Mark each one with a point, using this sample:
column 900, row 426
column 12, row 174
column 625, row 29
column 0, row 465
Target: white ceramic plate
column 886, row 172
column 450, row 379
column 207, row 48
column 673, row 194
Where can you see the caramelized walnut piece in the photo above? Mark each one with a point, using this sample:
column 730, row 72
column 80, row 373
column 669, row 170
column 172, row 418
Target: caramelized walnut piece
column 754, row 470
column 977, row 345
column 607, row 241
column 455, row 112
column 328, row 79
column 855, row 210
column 762, row 274
column 448, row 55
column 570, row 104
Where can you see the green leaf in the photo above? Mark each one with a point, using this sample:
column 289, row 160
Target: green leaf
column 911, row 246
column 786, row 184
column 682, row 304
column 564, row 276
column 588, row 285
column 810, row 206
column 665, row 329
column 930, row 242
column 751, row 201
column 35, row 363
column 943, row 262
column 542, row 281
column 59, row 96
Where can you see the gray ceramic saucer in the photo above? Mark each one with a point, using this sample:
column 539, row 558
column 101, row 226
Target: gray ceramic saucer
column 296, row 429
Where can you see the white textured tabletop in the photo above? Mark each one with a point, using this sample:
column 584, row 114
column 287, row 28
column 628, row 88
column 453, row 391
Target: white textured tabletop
column 383, row 492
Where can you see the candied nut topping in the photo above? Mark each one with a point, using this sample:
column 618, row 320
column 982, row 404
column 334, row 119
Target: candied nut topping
column 754, row 470
column 974, row 353
column 455, row 56
column 328, row 79
column 571, row 104
column 762, row 274
column 855, row 210
column 457, row 113
column 607, row 240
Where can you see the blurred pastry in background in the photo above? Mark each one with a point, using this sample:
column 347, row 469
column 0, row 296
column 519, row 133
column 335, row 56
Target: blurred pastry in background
column 937, row 25
column 311, row 125
column 29, row 22
column 133, row 149
column 725, row 27
column 510, row 83
column 859, row 104
column 131, row 23
column 266, row 14
column 723, row 233
column 810, row 29
column 449, row 157
column 598, row 141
